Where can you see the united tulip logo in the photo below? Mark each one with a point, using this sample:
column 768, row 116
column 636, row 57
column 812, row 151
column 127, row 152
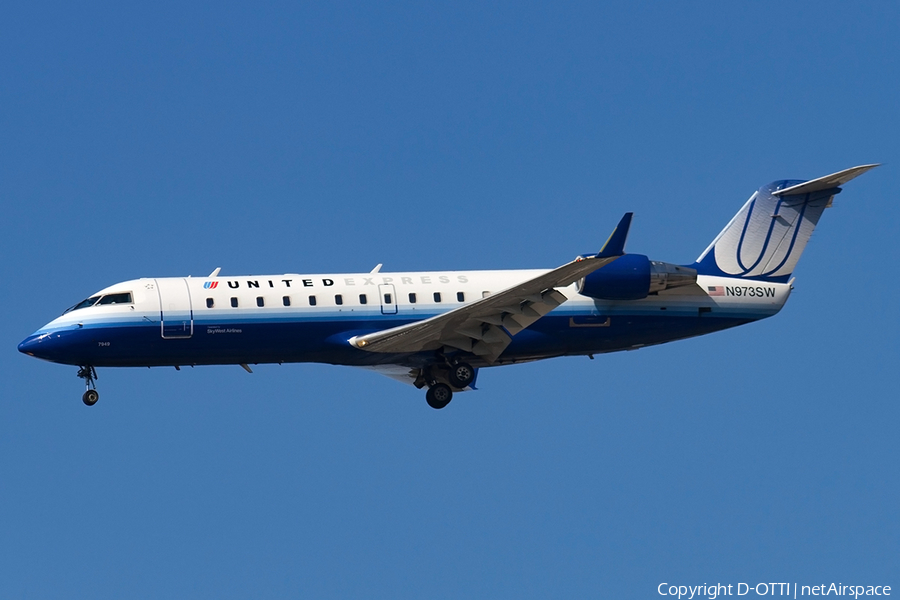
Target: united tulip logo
column 210, row 285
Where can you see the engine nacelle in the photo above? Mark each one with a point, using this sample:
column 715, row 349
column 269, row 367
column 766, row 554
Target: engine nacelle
column 634, row 276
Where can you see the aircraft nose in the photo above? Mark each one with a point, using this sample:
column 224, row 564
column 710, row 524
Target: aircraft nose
column 56, row 345
column 30, row 344
column 46, row 345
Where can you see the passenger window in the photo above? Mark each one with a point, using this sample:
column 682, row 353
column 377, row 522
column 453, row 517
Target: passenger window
column 485, row 294
column 210, row 303
column 286, row 300
column 124, row 298
column 437, row 296
column 362, row 299
column 234, row 302
column 388, row 299
column 312, row 300
column 412, row 298
column 461, row 296
column 338, row 299
column 260, row 301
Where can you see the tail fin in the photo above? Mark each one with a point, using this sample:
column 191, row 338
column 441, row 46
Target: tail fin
column 765, row 239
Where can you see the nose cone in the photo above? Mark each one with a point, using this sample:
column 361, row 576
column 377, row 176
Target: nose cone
column 54, row 346
column 33, row 344
column 29, row 345
column 60, row 345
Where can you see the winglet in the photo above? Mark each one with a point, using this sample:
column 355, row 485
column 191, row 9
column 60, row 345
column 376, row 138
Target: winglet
column 615, row 245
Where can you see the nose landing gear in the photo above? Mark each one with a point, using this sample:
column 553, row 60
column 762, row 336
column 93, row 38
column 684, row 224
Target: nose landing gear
column 91, row 395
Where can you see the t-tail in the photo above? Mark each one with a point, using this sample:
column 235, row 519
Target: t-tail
column 765, row 239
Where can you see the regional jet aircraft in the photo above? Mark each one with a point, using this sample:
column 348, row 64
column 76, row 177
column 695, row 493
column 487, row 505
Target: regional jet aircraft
column 435, row 330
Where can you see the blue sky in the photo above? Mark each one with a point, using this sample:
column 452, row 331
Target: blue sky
column 169, row 139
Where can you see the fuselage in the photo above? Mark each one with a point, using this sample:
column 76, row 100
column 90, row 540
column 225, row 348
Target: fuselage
column 310, row 318
column 436, row 329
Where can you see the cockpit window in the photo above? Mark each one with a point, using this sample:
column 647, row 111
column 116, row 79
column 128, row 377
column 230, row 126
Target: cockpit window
column 84, row 303
column 123, row 298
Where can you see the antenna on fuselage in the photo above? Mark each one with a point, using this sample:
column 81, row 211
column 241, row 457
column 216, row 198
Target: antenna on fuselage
column 377, row 268
column 216, row 272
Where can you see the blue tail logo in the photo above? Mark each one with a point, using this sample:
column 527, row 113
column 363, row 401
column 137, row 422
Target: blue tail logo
column 765, row 239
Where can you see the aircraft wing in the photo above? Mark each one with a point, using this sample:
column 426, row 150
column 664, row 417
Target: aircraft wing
column 485, row 326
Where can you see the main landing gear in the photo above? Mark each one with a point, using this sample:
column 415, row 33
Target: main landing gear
column 439, row 395
column 91, row 395
column 460, row 375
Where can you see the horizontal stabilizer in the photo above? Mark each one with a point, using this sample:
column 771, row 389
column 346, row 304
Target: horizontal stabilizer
column 615, row 245
column 825, row 183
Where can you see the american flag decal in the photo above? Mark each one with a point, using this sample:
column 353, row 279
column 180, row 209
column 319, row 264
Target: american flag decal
column 715, row 290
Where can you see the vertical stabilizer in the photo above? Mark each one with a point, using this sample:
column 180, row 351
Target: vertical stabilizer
column 767, row 236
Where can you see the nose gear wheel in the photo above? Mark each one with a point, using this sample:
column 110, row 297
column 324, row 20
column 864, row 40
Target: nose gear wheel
column 91, row 395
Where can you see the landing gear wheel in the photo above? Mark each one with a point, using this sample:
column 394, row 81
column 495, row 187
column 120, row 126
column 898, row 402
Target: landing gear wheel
column 461, row 375
column 439, row 395
column 90, row 397
column 89, row 374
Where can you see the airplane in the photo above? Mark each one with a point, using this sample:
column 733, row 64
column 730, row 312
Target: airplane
column 435, row 330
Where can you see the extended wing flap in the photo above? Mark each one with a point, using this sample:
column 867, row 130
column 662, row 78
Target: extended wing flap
column 485, row 327
column 395, row 372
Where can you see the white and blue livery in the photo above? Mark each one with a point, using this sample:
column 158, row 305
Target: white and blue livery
column 437, row 329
